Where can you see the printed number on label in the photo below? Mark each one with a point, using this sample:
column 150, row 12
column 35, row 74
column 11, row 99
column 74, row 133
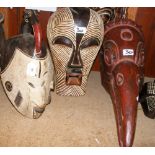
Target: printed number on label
column 128, row 52
column 81, row 30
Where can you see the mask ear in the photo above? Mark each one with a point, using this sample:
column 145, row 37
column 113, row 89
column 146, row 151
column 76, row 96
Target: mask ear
column 140, row 56
column 110, row 55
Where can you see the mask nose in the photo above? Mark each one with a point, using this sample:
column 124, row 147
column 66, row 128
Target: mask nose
column 74, row 69
column 75, row 60
column 39, row 101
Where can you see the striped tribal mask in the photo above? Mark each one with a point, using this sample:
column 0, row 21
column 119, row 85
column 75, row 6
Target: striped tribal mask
column 75, row 36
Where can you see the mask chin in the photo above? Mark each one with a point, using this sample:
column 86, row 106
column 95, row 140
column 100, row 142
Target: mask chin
column 37, row 112
column 74, row 76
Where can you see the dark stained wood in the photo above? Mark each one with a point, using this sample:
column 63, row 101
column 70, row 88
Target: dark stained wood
column 20, row 17
column 131, row 15
column 96, row 65
column 146, row 18
column 122, row 73
column 43, row 18
column 12, row 20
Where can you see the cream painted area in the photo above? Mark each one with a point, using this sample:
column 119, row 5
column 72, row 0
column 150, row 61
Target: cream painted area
column 19, row 73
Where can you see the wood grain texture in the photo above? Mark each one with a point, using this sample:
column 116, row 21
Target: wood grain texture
column 132, row 11
column 43, row 18
column 146, row 18
column 122, row 73
column 11, row 21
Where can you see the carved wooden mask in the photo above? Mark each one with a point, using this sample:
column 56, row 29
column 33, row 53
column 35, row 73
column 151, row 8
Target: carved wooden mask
column 122, row 63
column 26, row 71
column 75, row 36
column 27, row 83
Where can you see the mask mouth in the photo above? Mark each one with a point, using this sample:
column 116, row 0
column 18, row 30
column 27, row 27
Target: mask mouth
column 37, row 111
column 74, row 76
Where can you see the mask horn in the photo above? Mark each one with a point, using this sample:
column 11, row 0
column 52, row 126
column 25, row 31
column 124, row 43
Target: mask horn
column 31, row 18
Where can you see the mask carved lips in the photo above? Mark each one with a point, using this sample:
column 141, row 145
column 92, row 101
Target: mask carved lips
column 74, row 76
column 37, row 111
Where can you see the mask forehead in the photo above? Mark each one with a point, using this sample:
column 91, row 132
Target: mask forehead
column 94, row 27
column 77, row 24
column 62, row 25
column 74, row 39
column 80, row 24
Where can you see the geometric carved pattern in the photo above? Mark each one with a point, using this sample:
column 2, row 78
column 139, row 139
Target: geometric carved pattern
column 62, row 24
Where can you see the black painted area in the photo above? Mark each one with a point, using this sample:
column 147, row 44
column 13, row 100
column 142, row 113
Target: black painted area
column 147, row 99
column 62, row 40
column 81, row 18
column 8, row 86
column 18, row 100
column 26, row 28
column 25, row 42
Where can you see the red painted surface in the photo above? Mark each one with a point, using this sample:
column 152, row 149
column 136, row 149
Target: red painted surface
column 122, row 64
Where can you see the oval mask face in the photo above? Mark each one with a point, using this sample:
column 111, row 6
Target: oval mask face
column 123, row 44
column 27, row 83
column 75, row 36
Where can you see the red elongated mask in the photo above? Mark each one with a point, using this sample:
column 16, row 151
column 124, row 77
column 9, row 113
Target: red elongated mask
column 122, row 62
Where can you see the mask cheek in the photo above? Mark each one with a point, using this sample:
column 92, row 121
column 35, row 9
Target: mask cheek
column 37, row 96
column 61, row 55
column 88, row 56
column 21, row 101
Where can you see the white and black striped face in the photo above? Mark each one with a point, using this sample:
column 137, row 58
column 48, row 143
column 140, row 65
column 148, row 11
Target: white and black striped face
column 75, row 36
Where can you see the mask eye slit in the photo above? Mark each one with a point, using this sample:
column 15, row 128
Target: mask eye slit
column 45, row 73
column 63, row 41
column 31, row 84
column 43, row 83
column 92, row 42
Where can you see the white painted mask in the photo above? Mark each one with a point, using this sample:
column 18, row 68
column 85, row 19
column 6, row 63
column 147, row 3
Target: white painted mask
column 26, row 71
column 27, row 83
